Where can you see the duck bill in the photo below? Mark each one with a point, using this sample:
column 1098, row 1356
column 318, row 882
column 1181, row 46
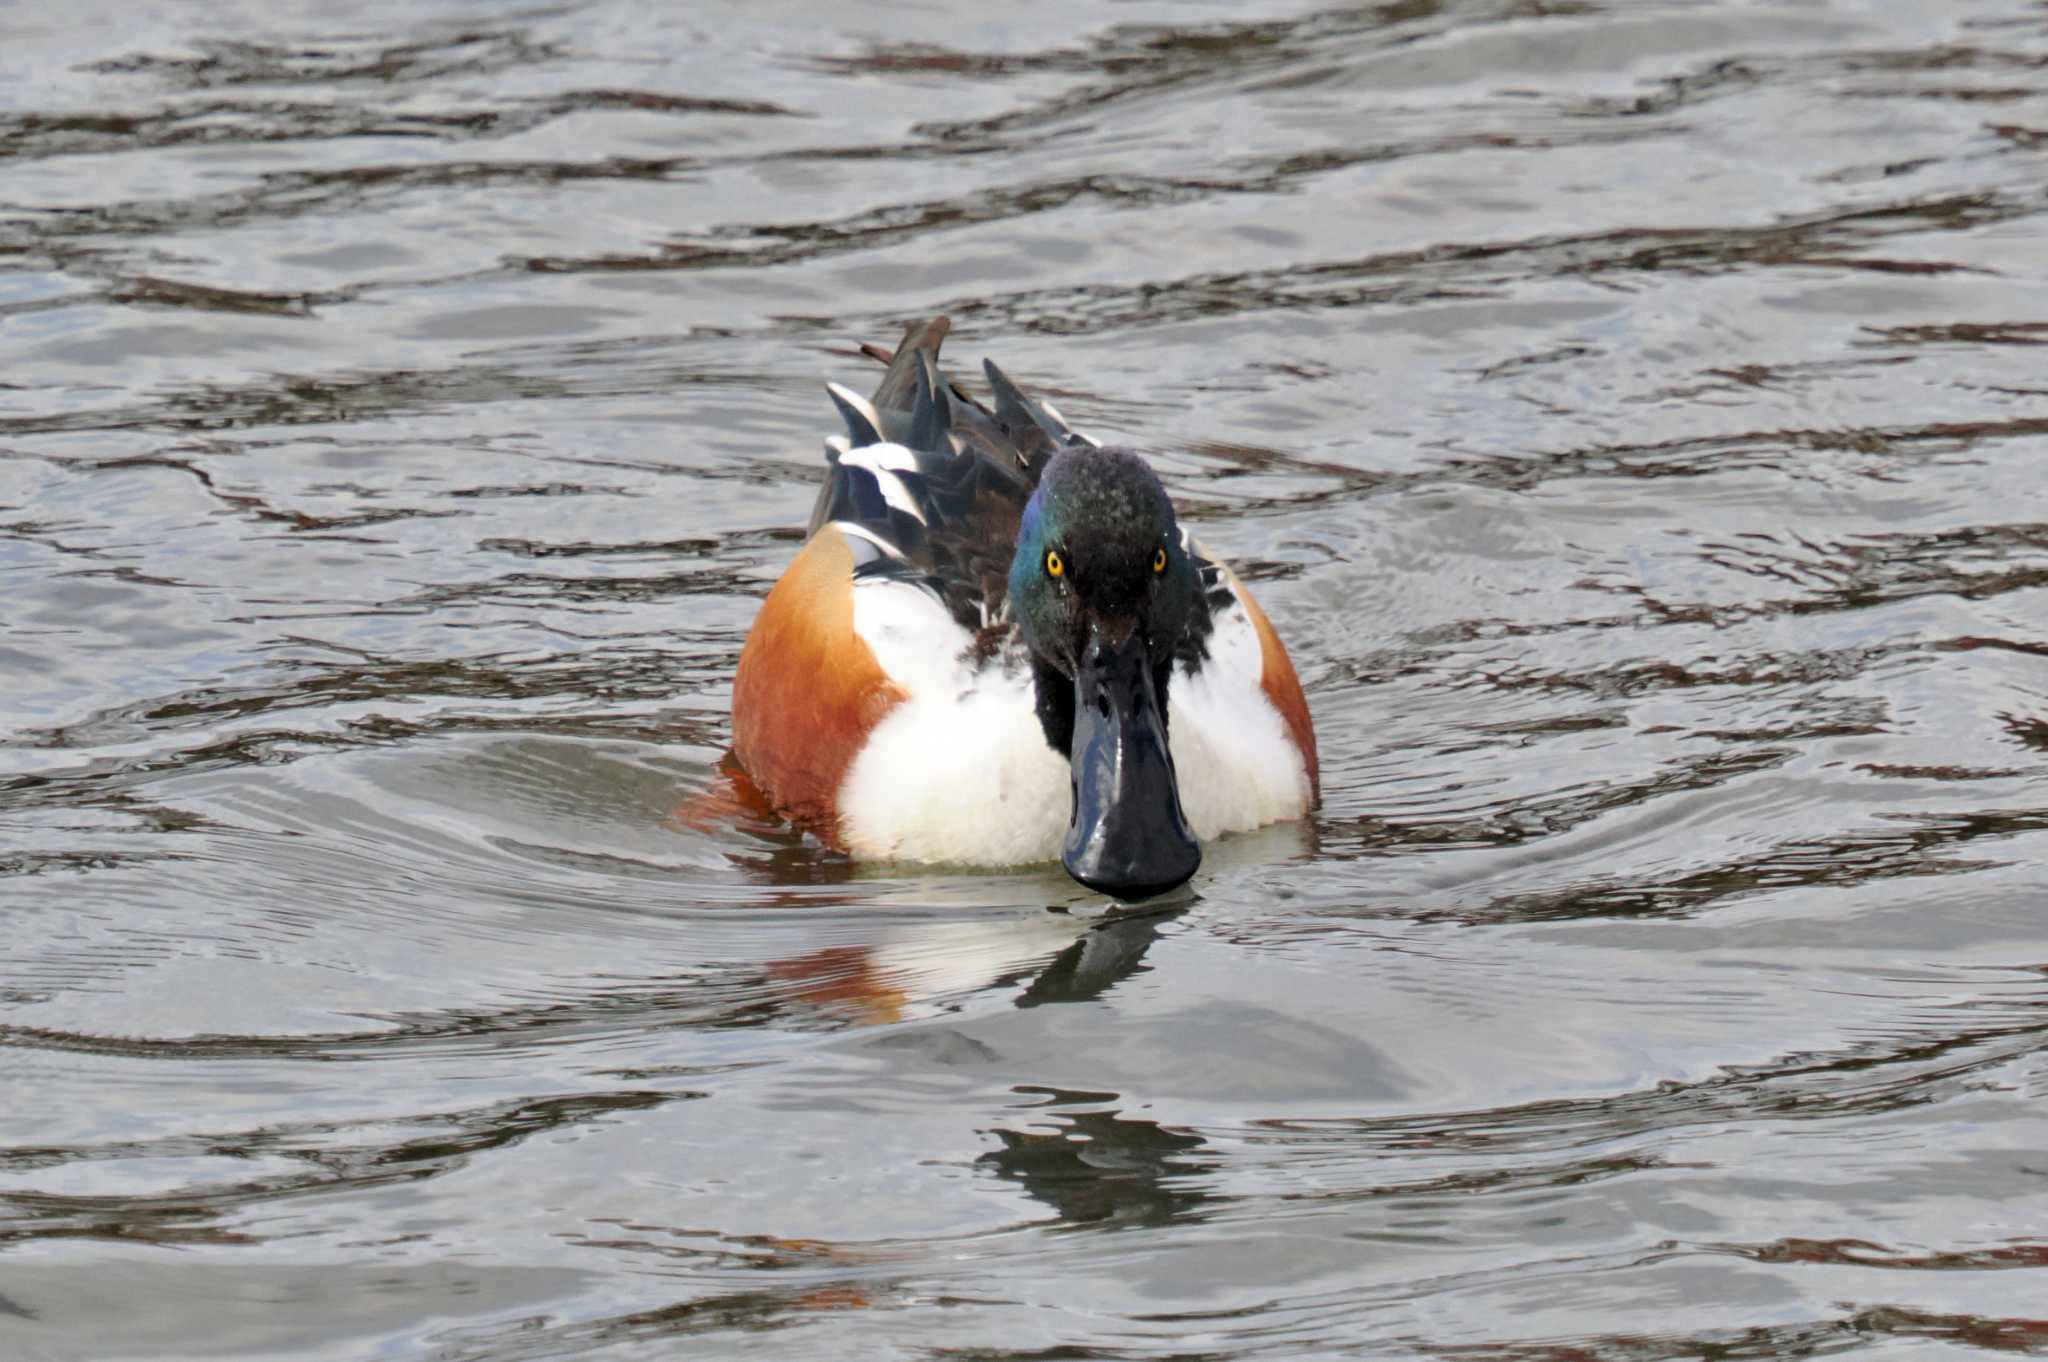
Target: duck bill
column 1128, row 837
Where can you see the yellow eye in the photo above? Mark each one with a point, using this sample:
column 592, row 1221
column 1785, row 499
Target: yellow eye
column 1159, row 560
column 1054, row 564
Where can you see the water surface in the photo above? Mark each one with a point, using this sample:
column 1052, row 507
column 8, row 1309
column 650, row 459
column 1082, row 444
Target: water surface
column 1632, row 415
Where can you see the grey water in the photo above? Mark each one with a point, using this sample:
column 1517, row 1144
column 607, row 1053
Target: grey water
column 1633, row 415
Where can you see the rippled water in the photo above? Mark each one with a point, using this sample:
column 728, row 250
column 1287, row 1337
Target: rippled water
column 1632, row 414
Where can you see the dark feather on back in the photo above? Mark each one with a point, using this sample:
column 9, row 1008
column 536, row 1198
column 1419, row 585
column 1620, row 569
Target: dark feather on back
column 975, row 469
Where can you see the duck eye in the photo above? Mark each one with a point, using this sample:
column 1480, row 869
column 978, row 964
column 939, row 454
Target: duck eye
column 1159, row 560
column 1055, row 565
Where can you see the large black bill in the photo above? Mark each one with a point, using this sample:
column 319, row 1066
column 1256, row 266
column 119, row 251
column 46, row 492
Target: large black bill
column 1129, row 837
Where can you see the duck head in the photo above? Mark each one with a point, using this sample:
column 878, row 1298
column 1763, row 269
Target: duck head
column 1105, row 593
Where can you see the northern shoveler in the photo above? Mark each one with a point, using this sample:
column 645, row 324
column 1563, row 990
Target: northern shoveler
column 999, row 645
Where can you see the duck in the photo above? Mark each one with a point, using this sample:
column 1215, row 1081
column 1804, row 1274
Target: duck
column 999, row 645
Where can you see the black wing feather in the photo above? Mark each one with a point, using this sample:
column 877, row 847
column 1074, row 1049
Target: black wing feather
column 969, row 472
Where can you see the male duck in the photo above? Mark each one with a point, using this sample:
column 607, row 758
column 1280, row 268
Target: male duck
column 999, row 645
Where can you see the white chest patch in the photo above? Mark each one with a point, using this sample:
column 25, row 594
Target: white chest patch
column 960, row 771
column 1237, row 766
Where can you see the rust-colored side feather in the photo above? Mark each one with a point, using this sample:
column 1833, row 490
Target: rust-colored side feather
column 808, row 690
column 1283, row 688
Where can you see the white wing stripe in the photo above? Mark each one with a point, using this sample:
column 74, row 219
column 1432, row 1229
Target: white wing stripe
column 858, row 403
column 847, row 527
column 883, row 458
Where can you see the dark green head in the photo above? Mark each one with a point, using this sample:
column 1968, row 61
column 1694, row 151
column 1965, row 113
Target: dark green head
column 1105, row 596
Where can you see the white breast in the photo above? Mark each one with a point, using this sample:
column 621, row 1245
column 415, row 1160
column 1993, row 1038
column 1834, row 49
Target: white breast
column 1236, row 764
column 960, row 771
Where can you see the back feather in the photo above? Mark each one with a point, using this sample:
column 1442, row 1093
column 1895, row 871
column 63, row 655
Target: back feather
column 929, row 484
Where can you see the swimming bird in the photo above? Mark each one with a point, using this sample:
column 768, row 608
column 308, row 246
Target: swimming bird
column 999, row 645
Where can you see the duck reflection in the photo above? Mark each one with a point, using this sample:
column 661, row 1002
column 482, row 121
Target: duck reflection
column 846, row 982
column 1113, row 951
column 1100, row 1170
column 877, row 983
